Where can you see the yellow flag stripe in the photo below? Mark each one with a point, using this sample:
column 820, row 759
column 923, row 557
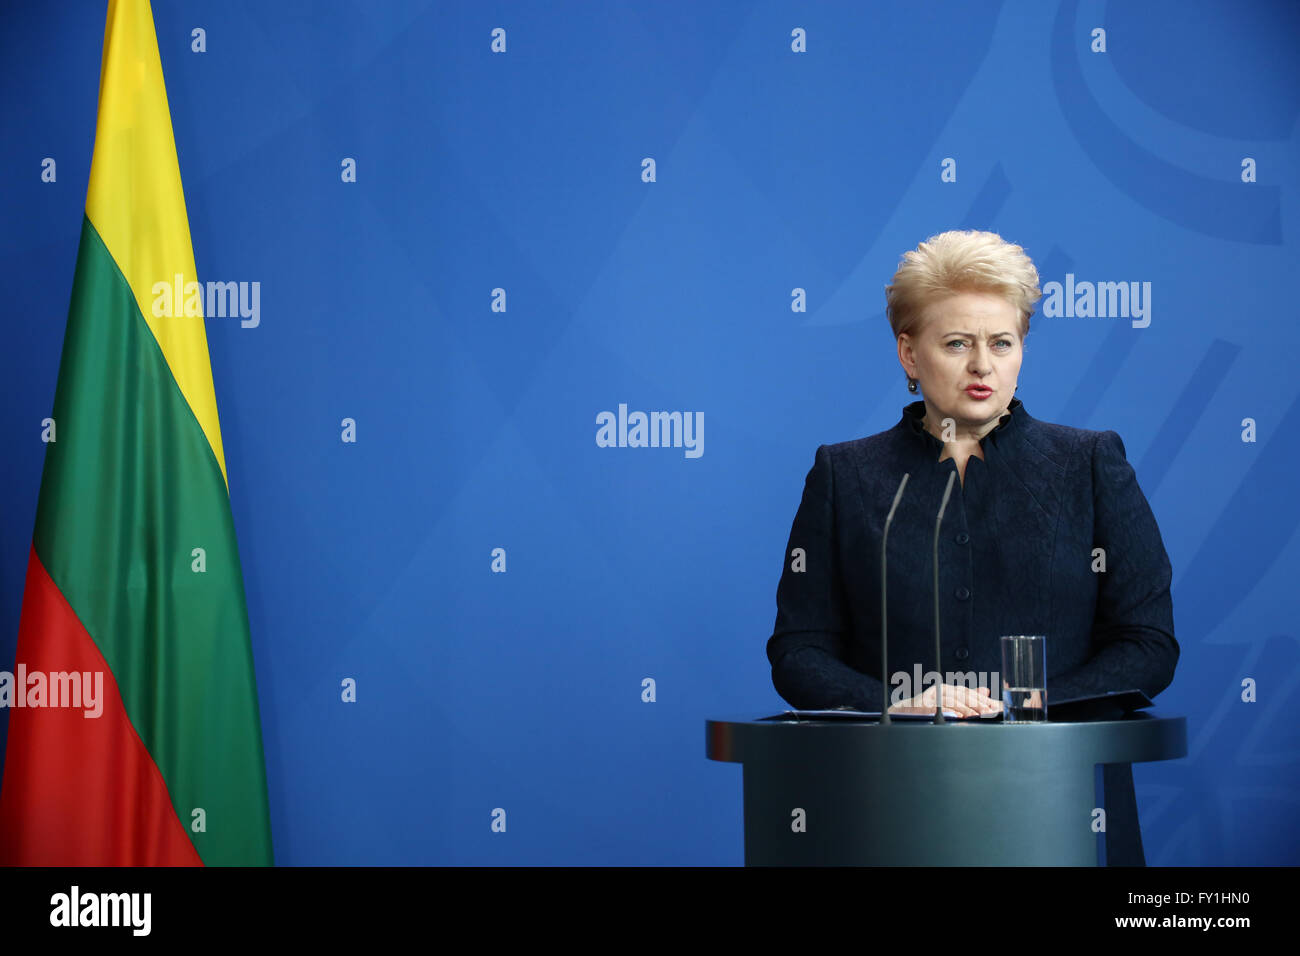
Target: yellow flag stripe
column 136, row 203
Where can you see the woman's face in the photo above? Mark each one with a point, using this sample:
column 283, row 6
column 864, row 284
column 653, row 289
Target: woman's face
column 971, row 338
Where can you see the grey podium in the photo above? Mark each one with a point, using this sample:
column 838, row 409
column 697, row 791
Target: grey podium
column 914, row 793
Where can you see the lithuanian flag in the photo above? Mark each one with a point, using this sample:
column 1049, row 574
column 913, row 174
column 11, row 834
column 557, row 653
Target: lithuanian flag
column 134, row 570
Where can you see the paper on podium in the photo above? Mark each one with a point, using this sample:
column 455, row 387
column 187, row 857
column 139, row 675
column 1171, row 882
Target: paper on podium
column 874, row 715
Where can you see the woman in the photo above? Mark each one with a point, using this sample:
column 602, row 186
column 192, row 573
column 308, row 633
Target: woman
column 1047, row 531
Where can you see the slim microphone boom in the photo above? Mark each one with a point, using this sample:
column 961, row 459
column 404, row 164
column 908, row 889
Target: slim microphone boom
column 884, row 623
column 938, row 664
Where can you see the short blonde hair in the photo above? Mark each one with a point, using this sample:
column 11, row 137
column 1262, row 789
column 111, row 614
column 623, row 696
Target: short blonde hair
column 960, row 261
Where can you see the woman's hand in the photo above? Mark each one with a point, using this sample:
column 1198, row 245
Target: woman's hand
column 966, row 701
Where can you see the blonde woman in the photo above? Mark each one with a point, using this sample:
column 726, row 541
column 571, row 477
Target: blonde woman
column 1018, row 551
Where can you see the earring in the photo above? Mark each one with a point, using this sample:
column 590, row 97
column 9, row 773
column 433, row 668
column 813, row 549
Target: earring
column 911, row 385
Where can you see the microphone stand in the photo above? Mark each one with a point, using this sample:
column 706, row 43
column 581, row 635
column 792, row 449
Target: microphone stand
column 938, row 687
column 884, row 620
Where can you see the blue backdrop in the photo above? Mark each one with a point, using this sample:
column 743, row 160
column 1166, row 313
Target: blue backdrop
column 1162, row 150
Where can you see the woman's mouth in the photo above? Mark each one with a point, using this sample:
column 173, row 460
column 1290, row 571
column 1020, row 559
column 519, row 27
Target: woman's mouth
column 978, row 391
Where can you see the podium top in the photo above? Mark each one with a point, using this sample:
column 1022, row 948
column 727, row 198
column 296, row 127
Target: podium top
column 1135, row 738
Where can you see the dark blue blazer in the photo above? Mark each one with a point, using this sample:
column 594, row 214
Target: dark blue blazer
column 1021, row 551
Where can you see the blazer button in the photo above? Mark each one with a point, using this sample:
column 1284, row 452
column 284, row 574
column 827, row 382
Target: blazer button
column 962, row 653
column 963, row 594
column 962, row 537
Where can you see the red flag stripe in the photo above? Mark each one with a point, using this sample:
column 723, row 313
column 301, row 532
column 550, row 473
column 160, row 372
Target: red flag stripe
column 57, row 808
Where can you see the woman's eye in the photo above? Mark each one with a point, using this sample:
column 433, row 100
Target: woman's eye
column 1003, row 344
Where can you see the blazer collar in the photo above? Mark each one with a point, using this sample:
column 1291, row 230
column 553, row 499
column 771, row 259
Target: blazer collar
column 1008, row 428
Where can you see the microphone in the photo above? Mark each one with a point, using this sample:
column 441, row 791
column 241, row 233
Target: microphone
column 884, row 621
column 938, row 662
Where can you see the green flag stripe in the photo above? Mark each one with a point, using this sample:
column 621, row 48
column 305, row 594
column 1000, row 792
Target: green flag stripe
column 130, row 490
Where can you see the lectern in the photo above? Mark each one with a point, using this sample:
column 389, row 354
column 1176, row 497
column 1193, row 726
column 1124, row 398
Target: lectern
column 962, row 793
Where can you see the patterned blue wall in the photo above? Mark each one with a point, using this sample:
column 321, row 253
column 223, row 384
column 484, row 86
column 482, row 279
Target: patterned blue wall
column 774, row 169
